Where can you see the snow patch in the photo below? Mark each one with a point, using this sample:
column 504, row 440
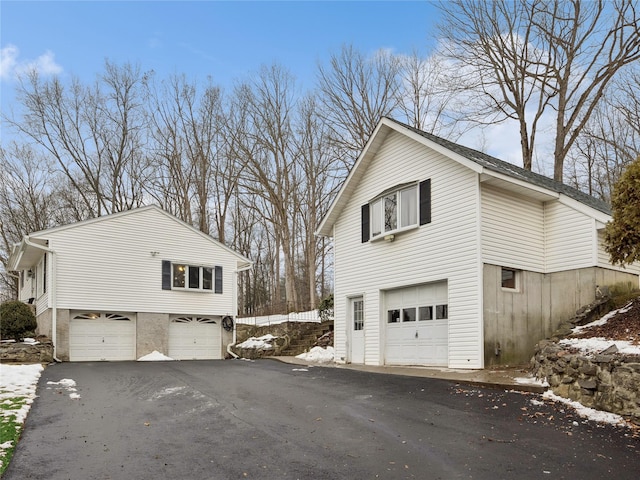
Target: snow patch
column 318, row 354
column 598, row 344
column 154, row 356
column 587, row 412
column 263, row 342
column 531, row 381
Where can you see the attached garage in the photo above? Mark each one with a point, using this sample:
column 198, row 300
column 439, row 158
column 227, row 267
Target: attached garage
column 195, row 338
column 97, row 336
column 417, row 325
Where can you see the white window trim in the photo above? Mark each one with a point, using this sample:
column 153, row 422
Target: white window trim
column 399, row 229
column 186, row 278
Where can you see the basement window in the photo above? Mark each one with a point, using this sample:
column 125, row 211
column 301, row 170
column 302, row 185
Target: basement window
column 510, row 279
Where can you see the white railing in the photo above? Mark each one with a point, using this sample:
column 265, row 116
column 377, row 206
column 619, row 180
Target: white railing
column 310, row 316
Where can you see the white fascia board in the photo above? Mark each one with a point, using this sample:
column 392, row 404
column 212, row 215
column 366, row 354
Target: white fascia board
column 325, row 229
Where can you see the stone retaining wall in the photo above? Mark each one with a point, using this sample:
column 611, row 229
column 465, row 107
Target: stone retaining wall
column 26, row 352
column 607, row 381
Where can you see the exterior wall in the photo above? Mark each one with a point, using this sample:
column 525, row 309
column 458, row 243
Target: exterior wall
column 108, row 266
column 569, row 238
column 152, row 333
column 515, row 321
column 44, row 323
column 445, row 249
column 512, row 230
column 62, row 338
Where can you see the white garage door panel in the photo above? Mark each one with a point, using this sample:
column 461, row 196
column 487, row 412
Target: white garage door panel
column 195, row 338
column 417, row 342
column 105, row 336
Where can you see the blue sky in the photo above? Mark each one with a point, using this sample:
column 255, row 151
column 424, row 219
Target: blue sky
column 227, row 40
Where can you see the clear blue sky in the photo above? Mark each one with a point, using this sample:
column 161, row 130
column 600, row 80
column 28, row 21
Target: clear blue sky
column 225, row 39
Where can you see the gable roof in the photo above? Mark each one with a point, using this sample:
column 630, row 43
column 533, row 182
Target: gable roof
column 40, row 237
column 482, row 163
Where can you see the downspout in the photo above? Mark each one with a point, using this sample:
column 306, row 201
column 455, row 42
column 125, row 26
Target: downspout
column 54, row 306
column 235, row 308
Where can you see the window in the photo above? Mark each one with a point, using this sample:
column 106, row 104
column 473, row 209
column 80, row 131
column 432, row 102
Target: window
column 393, row 316
column 191, row 277
column 425, row 313
column 358, row 315
column 401, row 208
column 442, row 312
column 408, row 314
column 510, row 279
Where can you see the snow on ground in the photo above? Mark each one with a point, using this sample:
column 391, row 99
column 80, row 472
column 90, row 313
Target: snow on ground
column 69, row 385
column 531, row 381
column 154, row 356
column 263, row 342
column 586, row 412
column 591, row 345
column 18, row 381
column 318, row 354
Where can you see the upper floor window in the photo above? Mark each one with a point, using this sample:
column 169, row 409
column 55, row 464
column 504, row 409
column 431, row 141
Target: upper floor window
column 397, row 209
column 191, row 277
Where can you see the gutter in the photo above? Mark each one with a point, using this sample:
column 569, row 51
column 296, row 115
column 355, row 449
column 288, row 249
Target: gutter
column 53, row 298
column 235, row 309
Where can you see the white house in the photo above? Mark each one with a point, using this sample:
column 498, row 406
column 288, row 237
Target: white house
column 447, row 256
column 121, row 286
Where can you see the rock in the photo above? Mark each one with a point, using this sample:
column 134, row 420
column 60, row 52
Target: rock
column 610, row 350
column 587, row 383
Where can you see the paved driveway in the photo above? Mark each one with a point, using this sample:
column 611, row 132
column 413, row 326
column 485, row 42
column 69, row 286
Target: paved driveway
column 269, row 420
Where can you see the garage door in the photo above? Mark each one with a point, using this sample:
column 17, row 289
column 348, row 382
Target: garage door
column 417, row 325
column 102, row 336
column 195, row 338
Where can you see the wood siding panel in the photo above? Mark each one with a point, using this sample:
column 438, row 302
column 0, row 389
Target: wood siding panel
column 569, row 238
column 512, row 230
column 603, row 258
column 109, row 266
column 445, row 249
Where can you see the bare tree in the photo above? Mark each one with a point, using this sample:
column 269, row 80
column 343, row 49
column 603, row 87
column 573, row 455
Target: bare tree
column 427, row 95
column 94, row 134
column 527, row 57
column 355, row 92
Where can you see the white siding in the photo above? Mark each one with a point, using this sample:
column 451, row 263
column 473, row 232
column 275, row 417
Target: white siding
column 446, row 249
column 108, row 266
column 512, row 230
column 569, row 238
column 603, row 258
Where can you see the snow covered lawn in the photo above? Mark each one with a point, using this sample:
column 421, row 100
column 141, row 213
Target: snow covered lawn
column 17, row 391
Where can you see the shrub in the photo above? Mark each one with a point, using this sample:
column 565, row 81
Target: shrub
column 325, row 308
column 16, row 320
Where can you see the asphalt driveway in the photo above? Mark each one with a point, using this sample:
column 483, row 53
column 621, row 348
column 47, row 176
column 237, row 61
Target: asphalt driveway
column 269, row 420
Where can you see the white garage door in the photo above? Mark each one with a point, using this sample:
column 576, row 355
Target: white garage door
column 102, row 336
column 417, row 325
column 195, row 338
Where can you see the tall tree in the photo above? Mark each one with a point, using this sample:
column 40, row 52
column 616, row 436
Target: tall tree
column 527, row 57
column 355, row 92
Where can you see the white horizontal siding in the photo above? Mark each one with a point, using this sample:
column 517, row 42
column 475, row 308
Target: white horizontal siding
column 603, row 258
column 108, row 266
column 569, row 238
column 446, row 249
column 512, row 230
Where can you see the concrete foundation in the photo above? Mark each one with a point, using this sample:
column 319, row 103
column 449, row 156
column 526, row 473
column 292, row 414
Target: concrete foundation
column 514, row 321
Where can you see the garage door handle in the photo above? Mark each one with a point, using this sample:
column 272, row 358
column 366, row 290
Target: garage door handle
column 102, row 339
column 416, row 334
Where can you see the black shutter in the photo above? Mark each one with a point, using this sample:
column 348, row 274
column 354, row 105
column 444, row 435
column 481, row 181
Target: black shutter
column 218, row 280
column 365, row 223
column 166, row 275
column 425, row 202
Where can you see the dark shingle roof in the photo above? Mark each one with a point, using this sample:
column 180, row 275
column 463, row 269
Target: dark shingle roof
column 500, row 166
